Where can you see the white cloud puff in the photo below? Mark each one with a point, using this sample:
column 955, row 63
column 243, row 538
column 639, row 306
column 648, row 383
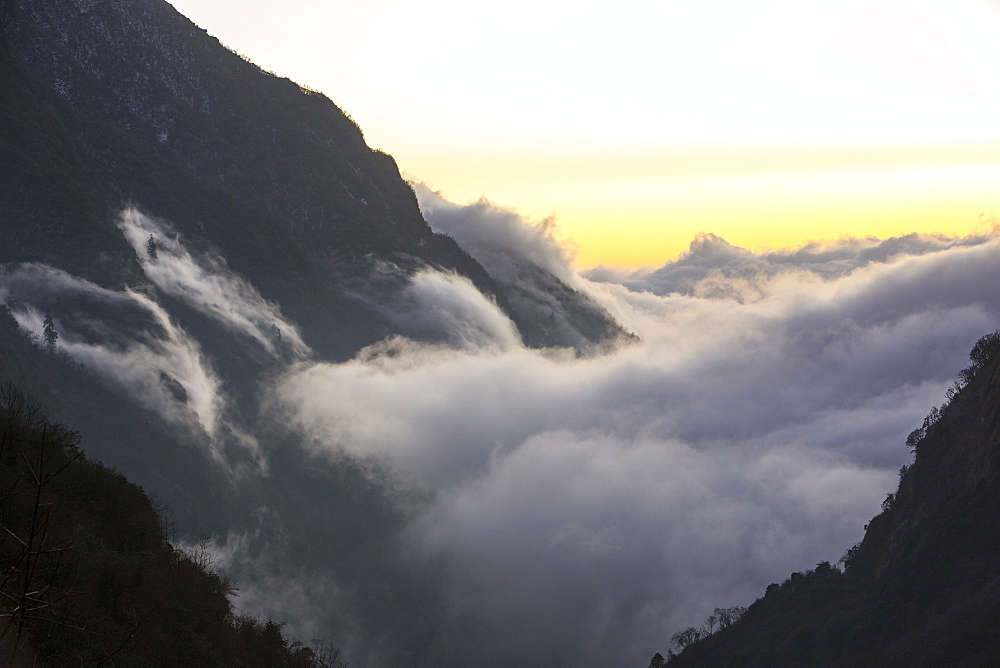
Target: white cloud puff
column 448, row 308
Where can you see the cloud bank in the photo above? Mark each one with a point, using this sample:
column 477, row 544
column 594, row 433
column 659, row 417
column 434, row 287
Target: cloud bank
column 497, row 237
column 587, row 508
column 574, row 510
column 714, row 268
column 447, row 308
column 553, row 305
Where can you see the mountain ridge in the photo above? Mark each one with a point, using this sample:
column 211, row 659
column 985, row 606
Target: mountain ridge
column 157, row 114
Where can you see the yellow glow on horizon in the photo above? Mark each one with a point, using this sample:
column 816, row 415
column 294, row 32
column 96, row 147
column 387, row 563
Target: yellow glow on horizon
column 644, row 209
column 848, row 117
column 652, row 240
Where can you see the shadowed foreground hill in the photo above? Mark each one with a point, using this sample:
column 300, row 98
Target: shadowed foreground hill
column 923, row 587
column 87, row 576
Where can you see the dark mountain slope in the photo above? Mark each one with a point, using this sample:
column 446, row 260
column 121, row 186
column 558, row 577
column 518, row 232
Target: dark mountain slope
column 326, row 521
column 49, row 207
column 108, row 104
column 155, row 456
column 105, row 105
column 923, row 587
column 87, row 576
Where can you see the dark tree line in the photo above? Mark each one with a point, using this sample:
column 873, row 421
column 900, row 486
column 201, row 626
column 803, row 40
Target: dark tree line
column 88, row 577
column 982, row 352
column 721, row 618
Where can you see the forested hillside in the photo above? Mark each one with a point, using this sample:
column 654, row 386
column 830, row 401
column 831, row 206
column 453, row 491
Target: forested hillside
column 88, row 574
column 922, row 587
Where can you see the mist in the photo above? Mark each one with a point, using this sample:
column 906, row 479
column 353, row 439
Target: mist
column 587, row 507
column 445, row 307
column 571, row 507
column 714, row 268
column 204, row 281
column 553, row 304
column 130, row 341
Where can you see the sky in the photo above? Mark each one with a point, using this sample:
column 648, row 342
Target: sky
column 637, row 125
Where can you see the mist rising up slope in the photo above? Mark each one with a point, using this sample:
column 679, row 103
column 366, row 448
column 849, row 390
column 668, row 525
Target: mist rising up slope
column 108, row 105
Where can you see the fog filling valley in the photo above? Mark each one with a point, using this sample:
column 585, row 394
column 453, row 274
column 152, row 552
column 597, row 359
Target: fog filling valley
column 580, row 506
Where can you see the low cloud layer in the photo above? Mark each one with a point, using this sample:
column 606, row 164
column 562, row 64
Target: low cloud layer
column 565, row 509
column 444, row 307
column 270, row 584
column 714, row 268
column 495, row 236
column 588, row 508
column 554, row 306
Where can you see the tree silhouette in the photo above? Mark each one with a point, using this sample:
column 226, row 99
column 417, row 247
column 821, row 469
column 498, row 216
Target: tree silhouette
column 151, row 247
column 688, row 636
column 49, row 332
column 728, row 616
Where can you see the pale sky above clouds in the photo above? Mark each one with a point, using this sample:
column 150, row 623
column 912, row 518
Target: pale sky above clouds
column 594, row 112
